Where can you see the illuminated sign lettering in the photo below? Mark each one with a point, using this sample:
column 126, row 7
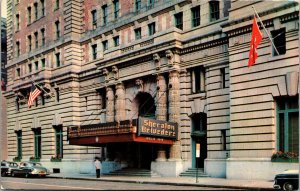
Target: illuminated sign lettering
column 157, row 128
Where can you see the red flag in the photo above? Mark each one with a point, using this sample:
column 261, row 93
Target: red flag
column 255, row 40
column 34, row 93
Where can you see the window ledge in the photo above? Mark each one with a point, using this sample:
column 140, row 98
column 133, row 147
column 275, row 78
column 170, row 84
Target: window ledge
column 197, row 95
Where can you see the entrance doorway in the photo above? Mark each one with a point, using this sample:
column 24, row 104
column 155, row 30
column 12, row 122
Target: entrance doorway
column 200, row 152
column 199, row 139
column 135, row 155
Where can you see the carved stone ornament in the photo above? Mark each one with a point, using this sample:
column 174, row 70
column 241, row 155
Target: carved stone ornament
column 105, row 71
column 140, row 85
column 170, row 56
column 115, row 70
column 156, row 59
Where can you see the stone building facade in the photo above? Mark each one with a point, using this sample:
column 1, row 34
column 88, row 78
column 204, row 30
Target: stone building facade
column 110, row 68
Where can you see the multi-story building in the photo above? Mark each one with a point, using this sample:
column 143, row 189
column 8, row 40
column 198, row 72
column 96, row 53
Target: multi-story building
column 3, row 127
column 162, row 85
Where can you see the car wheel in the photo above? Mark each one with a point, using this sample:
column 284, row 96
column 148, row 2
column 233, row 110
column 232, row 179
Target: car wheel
column 3, row 174
column 13, row 174
column 288, row 186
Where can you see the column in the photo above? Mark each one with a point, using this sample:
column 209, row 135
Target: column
column 120, row 102
column 161, row 110
column 174, row 111
column 110, row 102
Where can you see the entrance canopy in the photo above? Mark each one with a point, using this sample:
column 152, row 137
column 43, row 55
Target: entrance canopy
column 144, row 130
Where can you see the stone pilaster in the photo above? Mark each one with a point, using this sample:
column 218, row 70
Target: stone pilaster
column 174, row 111
column 120, row 102
column 110, row 102
column 161, row 96
column 161, row 109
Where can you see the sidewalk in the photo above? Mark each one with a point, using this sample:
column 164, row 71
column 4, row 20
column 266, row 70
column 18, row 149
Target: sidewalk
column 182, row 181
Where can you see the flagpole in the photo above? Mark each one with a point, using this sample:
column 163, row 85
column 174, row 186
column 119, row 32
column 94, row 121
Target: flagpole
column 34, row 83
column 265, row 30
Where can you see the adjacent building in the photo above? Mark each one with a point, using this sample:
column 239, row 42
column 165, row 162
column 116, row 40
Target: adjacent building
column 3, row 126
column 162, row 85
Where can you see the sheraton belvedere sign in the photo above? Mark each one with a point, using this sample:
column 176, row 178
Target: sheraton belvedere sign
column 157, row 128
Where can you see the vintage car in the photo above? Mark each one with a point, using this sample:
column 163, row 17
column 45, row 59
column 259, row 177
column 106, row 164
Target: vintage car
column 7, row 167
column 28, row 169
column 288, row 180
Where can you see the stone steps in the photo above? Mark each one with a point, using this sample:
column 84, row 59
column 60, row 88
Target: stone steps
column 133, row 172
column 192, row 172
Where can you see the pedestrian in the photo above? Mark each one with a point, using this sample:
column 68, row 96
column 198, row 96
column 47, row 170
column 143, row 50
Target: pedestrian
column 98, row 167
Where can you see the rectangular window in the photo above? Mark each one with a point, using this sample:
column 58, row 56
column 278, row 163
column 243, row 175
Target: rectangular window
column 29, row 15
column 94, row 51
column 17, row 22
column 288, row 125
column 57, row 94
column 36, row 39
column 57, row 56
column 198, row 79
column 137, row 5
column 151, row 4
column 223, row 79
column 29, row 68
column 105, row 45
column 214, row 8
column 56, row 4
column 17, row 104
column 35, row 5
column 151, row 28
column 57, row 27
column 138, row 33
column 195, row 16
column 178, row 20
column 19, row 144
column 18, row 48
column 37, row 143
column 29, row 43
column 279, row 40
column 199, row 122
column 43, row 36
column 105, row 14
column 43, row 98
column 223, row 139
column 94, row 18
column 18, row 72
column 36, row 64
column 116, row 41
column 43, row 62
column 59, row 141
column 116, row 8
column 43, row 7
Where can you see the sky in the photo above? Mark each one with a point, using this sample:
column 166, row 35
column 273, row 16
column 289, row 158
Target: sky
column 3, row 8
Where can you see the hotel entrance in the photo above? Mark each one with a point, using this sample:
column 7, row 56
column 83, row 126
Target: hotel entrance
column 199, row 139
column 132, row 154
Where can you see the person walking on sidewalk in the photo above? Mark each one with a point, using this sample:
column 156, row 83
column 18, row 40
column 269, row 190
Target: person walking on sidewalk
column 98, row 167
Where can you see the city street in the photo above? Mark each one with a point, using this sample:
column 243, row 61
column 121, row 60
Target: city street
column 66, row 184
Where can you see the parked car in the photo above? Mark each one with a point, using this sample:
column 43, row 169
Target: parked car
column 7, row 167
column 30, row 169
column 288, row 180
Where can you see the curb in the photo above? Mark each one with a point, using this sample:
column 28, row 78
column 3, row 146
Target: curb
column 164, row 183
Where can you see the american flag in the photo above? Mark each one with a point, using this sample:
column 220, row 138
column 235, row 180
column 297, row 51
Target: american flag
column 34, row 93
